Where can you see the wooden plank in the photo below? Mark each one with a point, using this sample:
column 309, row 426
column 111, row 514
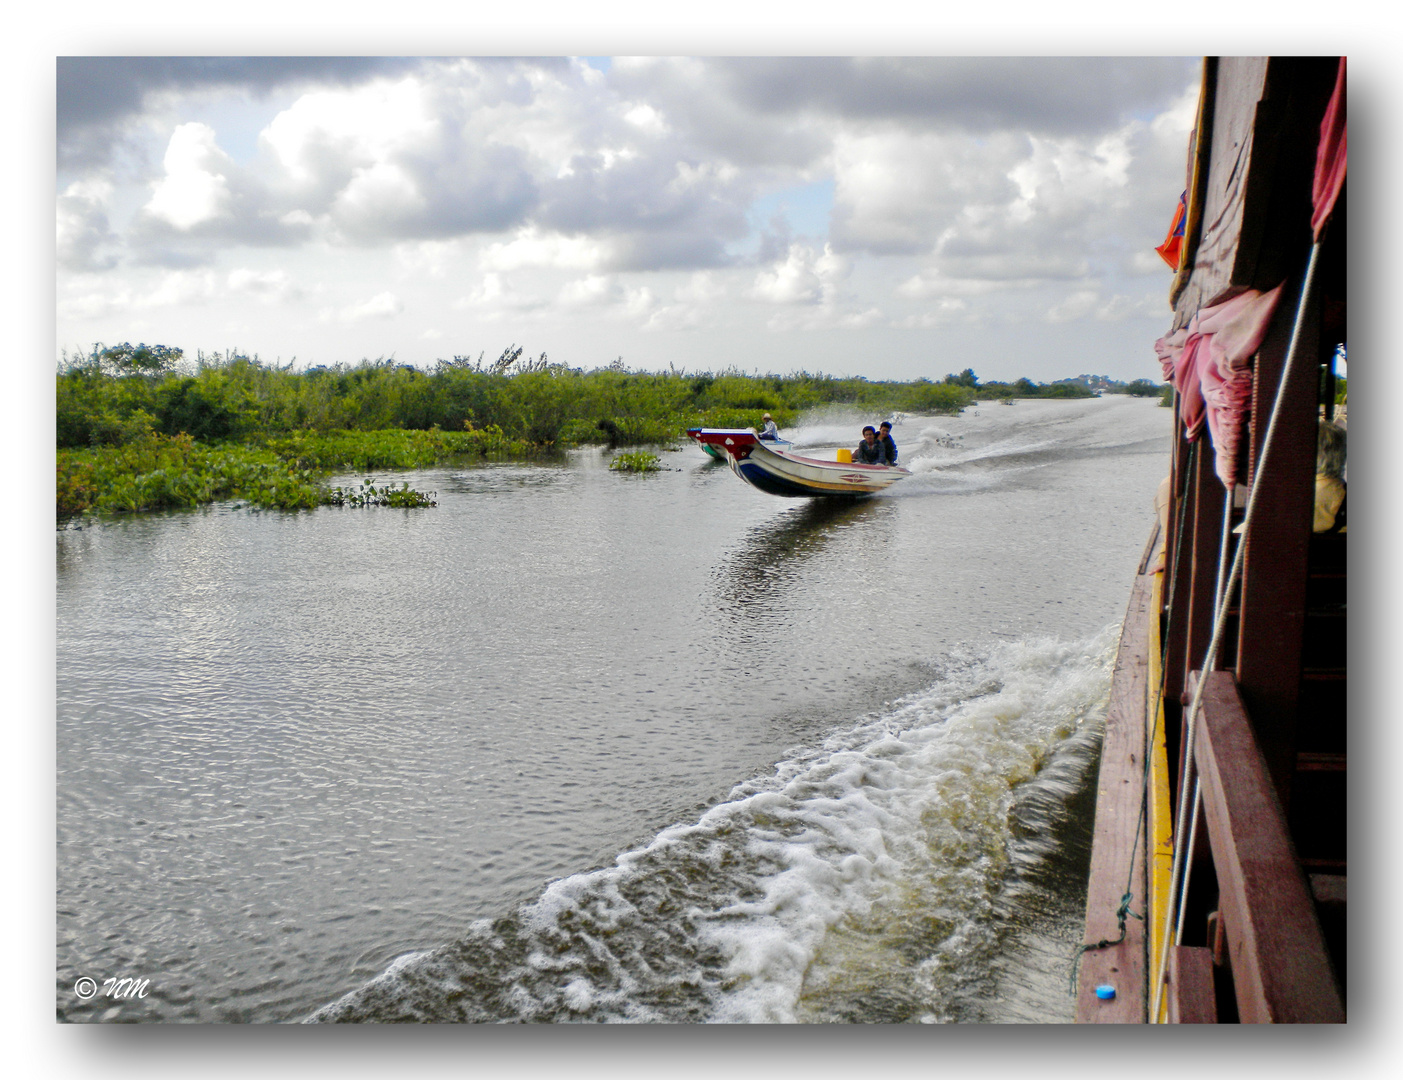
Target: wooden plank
column 1238, row 85
column 1117, row 860
column 1189, row 994
column 1280, row 965
column 1207, row 508
column 1277, row 545
column 1161, row 824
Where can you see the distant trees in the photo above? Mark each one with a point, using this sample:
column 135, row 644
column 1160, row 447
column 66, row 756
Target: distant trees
column 129, row 359
column 1138, row 388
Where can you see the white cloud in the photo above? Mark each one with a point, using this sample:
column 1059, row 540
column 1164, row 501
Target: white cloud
column 804, row 277
column 270, row 286
column 180, row 288
column 384, row 305
column 194, row 188
column 1077, row 305
column 961, row 191
column 94, row 305
column 647, row 119
column 1119, row 308
column 378, row 191
column 430, row 258
column 82, row 228
column 351, row 128
column 946, row 310
column 534, row 247
column 932, row 283
column 609, row 296
column 591, row 291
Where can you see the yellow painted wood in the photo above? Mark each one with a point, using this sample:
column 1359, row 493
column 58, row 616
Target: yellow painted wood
column 1160, row 827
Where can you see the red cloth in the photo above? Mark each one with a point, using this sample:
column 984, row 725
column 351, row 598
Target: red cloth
column 1174, row 242
column 1210, row 361
column 1330, row 157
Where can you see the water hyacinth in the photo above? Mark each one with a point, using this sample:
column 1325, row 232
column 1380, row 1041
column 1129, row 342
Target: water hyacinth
column 636, row 462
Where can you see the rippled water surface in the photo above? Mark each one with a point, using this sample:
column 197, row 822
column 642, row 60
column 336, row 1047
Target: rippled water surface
column 578, row 745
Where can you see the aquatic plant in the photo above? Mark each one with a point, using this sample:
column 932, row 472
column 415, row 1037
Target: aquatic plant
column 636, row 462
column 367, row 494
column 158, row 472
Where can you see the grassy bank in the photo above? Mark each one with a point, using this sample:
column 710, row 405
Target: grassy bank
column 107, row 398
column 143, row 428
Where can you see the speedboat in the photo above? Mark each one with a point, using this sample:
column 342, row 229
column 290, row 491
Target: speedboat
column 782, row 472
column 719, row 452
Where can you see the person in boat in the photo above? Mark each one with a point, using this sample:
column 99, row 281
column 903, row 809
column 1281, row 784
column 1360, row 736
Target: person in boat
column 1330, row 479
column 769, row 432
column 870, row 451
column 884, row 437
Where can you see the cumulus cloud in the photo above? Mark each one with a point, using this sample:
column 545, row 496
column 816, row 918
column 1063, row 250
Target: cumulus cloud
column 82, row 227
column 804, row 277
column 270, row 286
column 194, row 188
column 495, row 295
column 98, row 96
column 182, row 287
column 1088, row 303
column 383, row 305
column 534, row 247
column 947, row 186
column 946, row 310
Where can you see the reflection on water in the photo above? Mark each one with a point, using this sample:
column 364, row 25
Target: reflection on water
column 294, row 747
column 770, row 555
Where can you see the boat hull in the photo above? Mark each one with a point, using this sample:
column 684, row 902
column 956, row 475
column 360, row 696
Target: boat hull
column 786, row 474
column 719, row 452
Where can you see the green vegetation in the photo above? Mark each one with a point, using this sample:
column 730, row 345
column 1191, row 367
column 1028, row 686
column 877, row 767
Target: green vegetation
column 638, row 461
column 367, row 494
column 1139, row 388
column 1083, row 386
column 143, row 427
column 156, row 472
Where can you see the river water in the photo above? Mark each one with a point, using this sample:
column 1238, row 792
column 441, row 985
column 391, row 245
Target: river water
column 577, row 745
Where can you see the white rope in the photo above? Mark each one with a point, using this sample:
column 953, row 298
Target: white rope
column 1211, row 659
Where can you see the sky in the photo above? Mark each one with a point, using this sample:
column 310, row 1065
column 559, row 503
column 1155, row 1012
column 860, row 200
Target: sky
column 893, row 218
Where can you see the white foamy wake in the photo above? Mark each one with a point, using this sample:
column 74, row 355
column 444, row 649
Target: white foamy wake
column 861, row 870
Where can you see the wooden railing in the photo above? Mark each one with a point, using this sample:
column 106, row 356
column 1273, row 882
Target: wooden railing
column 1280, row 966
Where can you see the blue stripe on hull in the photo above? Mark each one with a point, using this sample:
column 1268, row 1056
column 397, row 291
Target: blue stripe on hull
column 774, row 485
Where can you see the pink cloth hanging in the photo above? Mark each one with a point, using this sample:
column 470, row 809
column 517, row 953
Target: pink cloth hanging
column 1330, row 157
column 1210, row 363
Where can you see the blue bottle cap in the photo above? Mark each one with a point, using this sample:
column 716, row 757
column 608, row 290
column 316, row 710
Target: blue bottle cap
column 1106, row 992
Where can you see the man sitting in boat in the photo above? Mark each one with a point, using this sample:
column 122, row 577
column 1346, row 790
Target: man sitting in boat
column 870, row 451
column 884, row 437
column 770, row 433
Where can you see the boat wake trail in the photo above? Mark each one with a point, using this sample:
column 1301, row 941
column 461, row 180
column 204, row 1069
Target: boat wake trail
column 807, row 893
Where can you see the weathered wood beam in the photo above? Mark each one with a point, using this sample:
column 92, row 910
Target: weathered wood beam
column 1280, row 965
column 1207, row 509
column 1189, row 992
column 1117, row 860
column 1275, row 560
column 1177, row 570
